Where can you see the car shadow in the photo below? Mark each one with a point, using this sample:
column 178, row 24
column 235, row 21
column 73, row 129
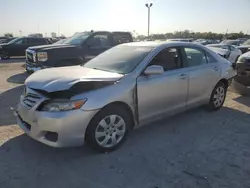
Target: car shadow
column 18, row 78
column 9, row 99
column 163, row 149
column 245, row 100
column 240, row 89
column 13, row 60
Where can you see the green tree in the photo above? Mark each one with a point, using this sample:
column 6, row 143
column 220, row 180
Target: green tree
column 8, row 35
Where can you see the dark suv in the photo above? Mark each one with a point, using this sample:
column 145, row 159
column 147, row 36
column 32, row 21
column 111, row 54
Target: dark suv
column 18, row 46
column 75, row 50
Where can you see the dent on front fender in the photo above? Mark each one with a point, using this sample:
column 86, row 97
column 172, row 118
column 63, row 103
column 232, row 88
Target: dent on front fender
column 99, row 98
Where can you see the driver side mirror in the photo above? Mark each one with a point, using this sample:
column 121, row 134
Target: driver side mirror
column 154, row 70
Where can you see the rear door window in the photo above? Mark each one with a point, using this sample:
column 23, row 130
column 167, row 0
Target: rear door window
column 195, row 56
column 36, row 41
column 99, row 41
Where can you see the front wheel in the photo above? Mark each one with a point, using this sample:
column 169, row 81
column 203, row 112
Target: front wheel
column 108, row 129
column 217, row 97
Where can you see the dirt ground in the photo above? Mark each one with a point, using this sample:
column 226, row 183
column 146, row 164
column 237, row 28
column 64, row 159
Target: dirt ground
column 194, row 149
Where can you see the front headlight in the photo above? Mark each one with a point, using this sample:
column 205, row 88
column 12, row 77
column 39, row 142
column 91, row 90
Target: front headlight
column 241, row 60
column 56, row 106
column 42, row 56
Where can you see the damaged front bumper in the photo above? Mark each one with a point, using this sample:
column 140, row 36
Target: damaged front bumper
column 56, row 129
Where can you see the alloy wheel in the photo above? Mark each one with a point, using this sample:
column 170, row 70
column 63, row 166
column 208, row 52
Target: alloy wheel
column 110, row 131
column 219, row 96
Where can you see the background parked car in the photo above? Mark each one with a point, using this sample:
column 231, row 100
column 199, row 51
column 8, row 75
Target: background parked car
column 242, row 40
column 231, row 53
column 75, row 50
column 18, row 46
column 206, row 41
column 181, row 40
column 7, row 40
column 245, row 47
column 232, row 42
column 243, row 69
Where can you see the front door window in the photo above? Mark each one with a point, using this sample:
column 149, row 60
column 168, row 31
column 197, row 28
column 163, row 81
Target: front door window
column 168, row 58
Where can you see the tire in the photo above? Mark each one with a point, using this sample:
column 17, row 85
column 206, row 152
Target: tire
column 29, row 71
column 102, row 135
column 5, row 55
column 217, row 97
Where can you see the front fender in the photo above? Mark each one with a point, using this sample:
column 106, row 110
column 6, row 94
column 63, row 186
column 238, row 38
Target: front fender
column 117, row 92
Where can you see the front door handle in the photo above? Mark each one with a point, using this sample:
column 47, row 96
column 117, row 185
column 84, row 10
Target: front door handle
column 183, row 76
column 216, row 68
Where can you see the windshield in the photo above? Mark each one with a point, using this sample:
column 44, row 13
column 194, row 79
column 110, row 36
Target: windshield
column 77, row 39
column 231, row 42
column 120, row 59
column 246, row 42
column 60, row 41
column 16, row 40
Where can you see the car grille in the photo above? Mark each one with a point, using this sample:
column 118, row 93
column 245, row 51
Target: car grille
column 31, row 99
column 29, row 57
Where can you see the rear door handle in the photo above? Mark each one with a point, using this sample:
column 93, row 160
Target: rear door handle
column 183, row 76
column 215, row 68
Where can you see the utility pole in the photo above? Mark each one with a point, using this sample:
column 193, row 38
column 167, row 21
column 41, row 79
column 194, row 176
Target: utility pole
column 148, row 5
column 58, row 30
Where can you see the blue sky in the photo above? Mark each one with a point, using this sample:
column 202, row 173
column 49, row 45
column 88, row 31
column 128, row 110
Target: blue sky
column 72, row 16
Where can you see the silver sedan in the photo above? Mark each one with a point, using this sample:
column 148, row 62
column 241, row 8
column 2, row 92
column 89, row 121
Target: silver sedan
column 129, row 85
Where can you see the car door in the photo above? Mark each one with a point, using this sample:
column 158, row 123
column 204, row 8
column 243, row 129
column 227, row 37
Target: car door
column 17, row 48
column 32, row 42
column 165, row 92
column 97, row 44
column 41, row 41
column 204, row 72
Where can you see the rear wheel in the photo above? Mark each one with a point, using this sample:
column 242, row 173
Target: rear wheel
column 218, row 96
column 108, row 129
column 5, row 55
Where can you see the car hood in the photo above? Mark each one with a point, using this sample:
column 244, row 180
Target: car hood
column 51, row 46
column 219, row 50
column 59, row 79
column 246, row 55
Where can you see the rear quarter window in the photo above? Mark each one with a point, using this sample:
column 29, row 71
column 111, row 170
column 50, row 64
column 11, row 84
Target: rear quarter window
column 210, row 58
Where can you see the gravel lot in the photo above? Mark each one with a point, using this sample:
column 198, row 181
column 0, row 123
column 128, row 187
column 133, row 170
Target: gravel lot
column 193, row 149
